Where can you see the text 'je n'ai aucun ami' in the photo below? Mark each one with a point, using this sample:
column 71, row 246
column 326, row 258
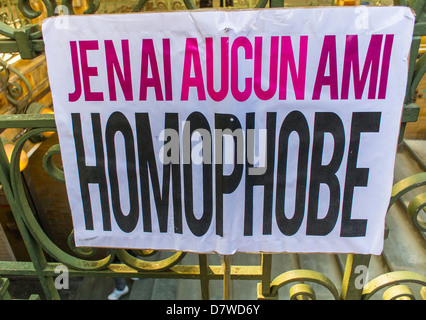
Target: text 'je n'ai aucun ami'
column 287, row 59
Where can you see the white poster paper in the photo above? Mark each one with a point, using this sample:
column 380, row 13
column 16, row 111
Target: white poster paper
column 269, row 130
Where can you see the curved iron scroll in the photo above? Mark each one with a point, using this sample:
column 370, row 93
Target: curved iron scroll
column 15, row 93
column 418, row 203
column 393, row 279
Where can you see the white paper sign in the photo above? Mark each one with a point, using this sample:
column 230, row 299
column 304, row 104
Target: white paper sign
column 268, row 130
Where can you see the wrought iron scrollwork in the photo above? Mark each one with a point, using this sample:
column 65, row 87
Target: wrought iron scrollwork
column 28, row 11
column 393, row 280
column 418, row 203
column 15, row 93
column 140, row 264
column 81, row 251
column 23, row 209
column 27, row 40
column 49, row 166
column 300, row 290
column 416, row 207
column 93, row 6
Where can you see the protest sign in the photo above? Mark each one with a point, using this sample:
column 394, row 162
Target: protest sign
column 221, row 131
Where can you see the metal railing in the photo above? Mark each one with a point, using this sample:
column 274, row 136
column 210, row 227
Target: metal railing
column 22, row 35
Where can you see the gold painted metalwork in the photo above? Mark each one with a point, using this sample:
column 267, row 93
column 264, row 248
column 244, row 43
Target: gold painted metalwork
column 392, row 279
